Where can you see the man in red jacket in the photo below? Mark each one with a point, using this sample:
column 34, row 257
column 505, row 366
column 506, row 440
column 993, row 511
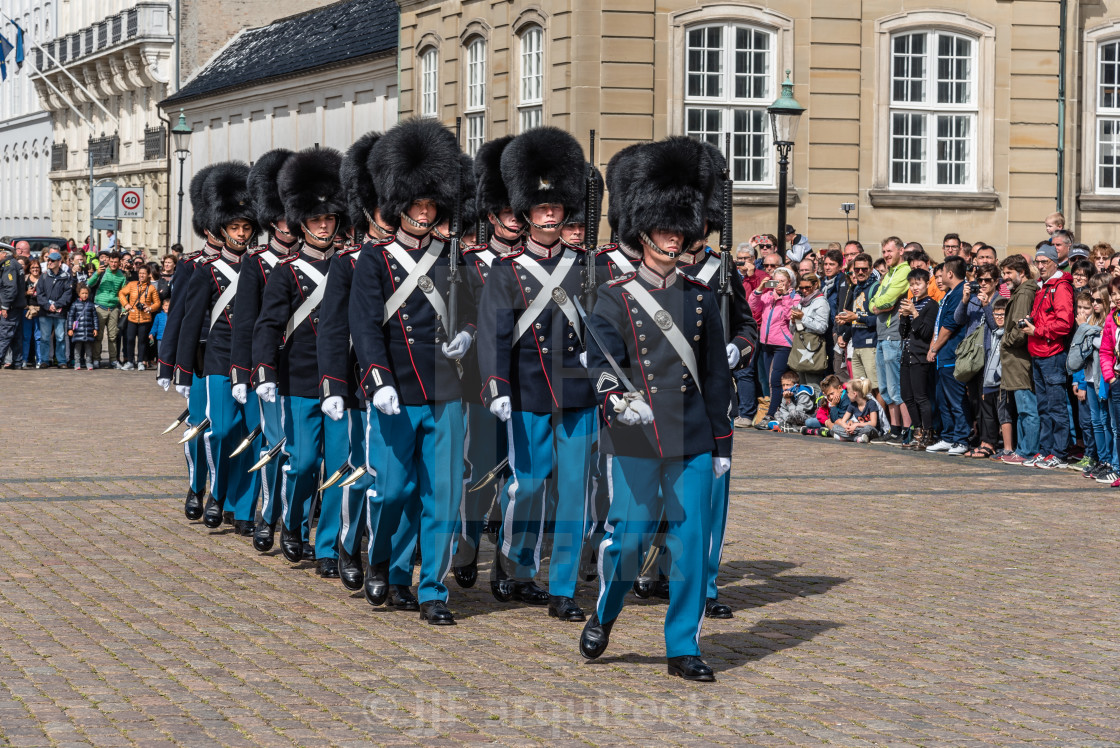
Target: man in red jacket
column 1048, row 330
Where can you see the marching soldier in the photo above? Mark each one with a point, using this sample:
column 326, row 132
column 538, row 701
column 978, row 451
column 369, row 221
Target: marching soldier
column 530, row 343
column 658, row 361
column 486, row 436
column 208, row 315
column 196, row 405
column 338, row 388
column 411, row 326
column 285, row 356
column 256, row 268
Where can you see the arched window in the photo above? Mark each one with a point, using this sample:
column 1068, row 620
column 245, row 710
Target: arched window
column 530, row 102
column 475, row 110
column 429, row 83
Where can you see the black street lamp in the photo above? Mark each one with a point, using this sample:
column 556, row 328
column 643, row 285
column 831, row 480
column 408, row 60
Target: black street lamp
column 785, row 114
column 181, row 133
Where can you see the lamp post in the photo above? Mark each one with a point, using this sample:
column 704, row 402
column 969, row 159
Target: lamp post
column 785, row 114
column 181, row 133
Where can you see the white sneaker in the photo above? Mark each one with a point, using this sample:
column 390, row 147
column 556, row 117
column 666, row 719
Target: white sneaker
column 127, row 367
column 958, row 449
column 941, row 446
column 139, row 367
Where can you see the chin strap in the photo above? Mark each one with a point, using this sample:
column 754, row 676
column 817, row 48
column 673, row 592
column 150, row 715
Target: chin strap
column 384, row 231
column 233, row 243
column 544, row 226
column 423, row 226
column 328, row 241
column 650, row 243
column 516, row 234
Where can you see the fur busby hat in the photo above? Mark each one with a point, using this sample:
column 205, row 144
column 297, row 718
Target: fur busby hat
column 468, row 193
column 310, row 186
column 492, row 195
column 672, row 181
column 619, row 176
column 199, row 206
column 543, row 165
column 226, row 192
column 414, row 161
column 713, row 209
column 361, row 197
column 262, row 186
column 578, row 217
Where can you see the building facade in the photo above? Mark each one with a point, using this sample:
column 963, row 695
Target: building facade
column 979, row 117
column 260, row 91
column 103, row 72
column 25, row 130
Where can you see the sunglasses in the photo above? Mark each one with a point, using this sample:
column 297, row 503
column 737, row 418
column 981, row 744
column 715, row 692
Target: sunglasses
column 766, row 246
column 768, row 265
column 861, row 270
column 805, row 288
column 1098, row 301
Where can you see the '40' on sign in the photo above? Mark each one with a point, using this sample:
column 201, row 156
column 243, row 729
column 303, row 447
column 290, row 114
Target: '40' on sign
column 130, row 202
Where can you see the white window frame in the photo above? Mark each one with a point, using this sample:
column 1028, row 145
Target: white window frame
column 530, row 77
column 981, row 193
column 931, row 113
column 429, row 82
column 1096, row 40
column 475, row 93
column 727, row 105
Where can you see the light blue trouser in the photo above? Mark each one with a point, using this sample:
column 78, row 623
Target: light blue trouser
column 486, row 443
column 547, row 448
column 417, row 456
column 272, row 427
column 641, row 490
column 402, row 545
column 197, row 469
column 352, row 498
column 309, row 436
column 721, row 494
column 231, row 483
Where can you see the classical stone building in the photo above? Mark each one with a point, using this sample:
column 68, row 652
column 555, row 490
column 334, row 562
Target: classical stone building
column 120, row 51
column 975, row 116
column 323, row 76
column 25, row 130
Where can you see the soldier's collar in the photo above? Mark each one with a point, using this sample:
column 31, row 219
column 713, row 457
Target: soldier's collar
column 627, row 250
column 212, row 249
column 317, row 254
column 501, row 246
column 230, row 256
column 279, row 247
column 652, row 277
column 691, row 258
column 541, row 250
column 411, row 241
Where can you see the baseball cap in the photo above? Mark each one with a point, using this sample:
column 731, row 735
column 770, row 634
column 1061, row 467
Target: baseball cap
column 54, row 256
column 1047, row 251
column 789, row 229
column 1078, row 250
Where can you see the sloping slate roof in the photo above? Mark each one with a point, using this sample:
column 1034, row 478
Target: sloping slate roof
column 329, row 35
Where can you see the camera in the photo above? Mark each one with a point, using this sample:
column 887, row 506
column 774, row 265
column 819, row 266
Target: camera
column 770, row 284
column 974, row 286
column 1023, row 322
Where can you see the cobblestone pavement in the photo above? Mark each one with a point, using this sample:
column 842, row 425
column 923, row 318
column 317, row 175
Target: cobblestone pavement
column 880, row 598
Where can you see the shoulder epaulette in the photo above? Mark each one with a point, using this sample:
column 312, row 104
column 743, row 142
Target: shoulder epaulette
column 692, row 280
column 349, row 250
column 289, row 259
column 206, row 260
column 475, row 248
column 623, row 279
column 258, row 250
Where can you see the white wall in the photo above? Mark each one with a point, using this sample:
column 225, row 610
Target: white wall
column 332, row 108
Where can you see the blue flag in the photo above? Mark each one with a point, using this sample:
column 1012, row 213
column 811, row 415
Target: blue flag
column 19, row 45
column 5, row 50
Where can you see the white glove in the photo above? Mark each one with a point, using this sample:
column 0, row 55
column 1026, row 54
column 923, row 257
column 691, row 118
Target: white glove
column 733, row 355
column 458, row 346
column 184, row 390
column 501, row 408
column 628, row 417
column 632, row 411
column 645, row 413
column 333, row 408
column 721, row 465
column 164, row 382
column 385, row 400
column 241, row 393
column 583, row 359
column 267, row 392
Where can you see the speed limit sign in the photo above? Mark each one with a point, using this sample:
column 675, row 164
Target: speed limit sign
column 130, row 202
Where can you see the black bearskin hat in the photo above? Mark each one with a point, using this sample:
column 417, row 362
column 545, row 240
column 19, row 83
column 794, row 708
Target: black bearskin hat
column 262, row 186
column 414, row 161
column 672, row 182
column 361, row 197
column 226, row 191
column 619, row 177
column 310, row 186
column 199, row 207
column 493, row 197
column 543, row 165
column 467, row 194
column 578, row 217
column 713, row 210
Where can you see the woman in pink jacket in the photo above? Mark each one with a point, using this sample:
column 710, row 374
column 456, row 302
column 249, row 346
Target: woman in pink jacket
column 771, row 304
column 1110, row 362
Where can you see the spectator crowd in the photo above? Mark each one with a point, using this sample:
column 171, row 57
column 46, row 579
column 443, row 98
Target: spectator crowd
column 82, row 309
column 1011, row 359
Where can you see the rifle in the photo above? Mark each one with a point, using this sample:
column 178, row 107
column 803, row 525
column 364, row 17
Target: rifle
column 453, row 276
column 725, row 268
column 590, row 230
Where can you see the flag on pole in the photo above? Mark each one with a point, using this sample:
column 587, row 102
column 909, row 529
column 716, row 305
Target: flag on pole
column 19, row 45
column 5, row 50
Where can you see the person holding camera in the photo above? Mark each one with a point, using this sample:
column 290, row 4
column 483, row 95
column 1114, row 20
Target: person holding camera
column 771, row 303
column 139, row 303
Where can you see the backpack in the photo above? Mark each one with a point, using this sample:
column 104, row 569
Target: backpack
column 970, row 355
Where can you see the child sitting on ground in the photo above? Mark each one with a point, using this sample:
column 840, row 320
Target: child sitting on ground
column 831, row 407
column 798, row 404
column 863, row 417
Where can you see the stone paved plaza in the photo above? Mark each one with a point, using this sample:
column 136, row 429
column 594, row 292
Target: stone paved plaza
column 880, row 597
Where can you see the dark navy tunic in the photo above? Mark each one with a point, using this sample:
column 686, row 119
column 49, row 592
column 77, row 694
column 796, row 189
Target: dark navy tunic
column 247, row 305
column 208, row 282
